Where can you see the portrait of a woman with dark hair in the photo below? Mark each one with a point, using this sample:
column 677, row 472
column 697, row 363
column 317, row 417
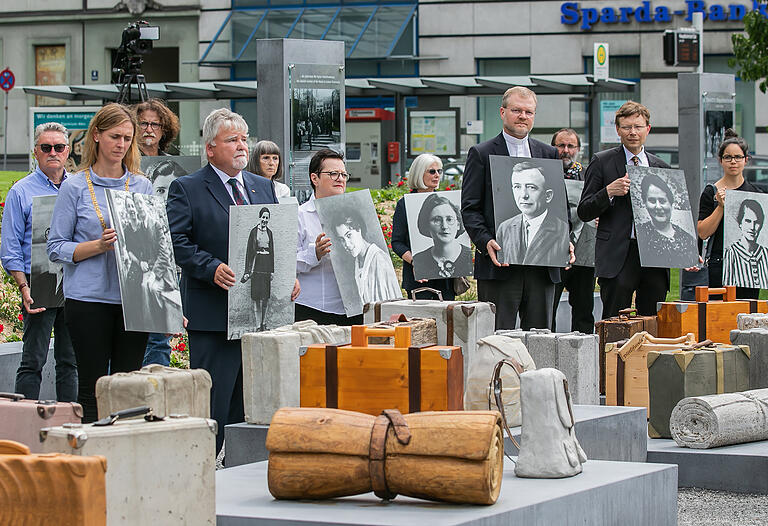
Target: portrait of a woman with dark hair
column 745, row 262
column 440, row 220
column 259, row 266
column 668, row 243
column 161, row 175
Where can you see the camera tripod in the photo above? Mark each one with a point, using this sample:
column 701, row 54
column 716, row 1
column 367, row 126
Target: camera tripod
column 129, row 79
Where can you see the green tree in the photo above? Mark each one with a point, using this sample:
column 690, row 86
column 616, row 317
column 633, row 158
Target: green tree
column 751, row 50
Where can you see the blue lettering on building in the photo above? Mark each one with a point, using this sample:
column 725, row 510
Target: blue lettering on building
column 571, row 13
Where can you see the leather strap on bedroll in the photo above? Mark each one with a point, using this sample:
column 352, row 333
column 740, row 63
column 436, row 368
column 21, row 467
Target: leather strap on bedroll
column 496, row 387
column 377, row 453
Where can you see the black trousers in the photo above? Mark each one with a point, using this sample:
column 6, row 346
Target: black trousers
column 580, row 282
column 530, row 293
column 102, row 346
column 651, row 285
column 325, row 318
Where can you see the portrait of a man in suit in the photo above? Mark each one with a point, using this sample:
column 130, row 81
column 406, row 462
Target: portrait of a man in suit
column 535, row 236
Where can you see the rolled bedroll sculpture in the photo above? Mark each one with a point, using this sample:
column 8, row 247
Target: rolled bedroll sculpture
column 451, row 456
column 703, row 422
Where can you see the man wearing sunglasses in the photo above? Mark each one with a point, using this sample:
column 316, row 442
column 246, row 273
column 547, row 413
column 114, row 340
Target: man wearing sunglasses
column 51, row 152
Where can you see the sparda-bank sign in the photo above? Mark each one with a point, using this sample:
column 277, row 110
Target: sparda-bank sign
column 572, row 13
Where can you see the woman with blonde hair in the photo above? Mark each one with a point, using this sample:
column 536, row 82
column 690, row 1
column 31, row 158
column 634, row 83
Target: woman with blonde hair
column 267, row 161
column 82, row 239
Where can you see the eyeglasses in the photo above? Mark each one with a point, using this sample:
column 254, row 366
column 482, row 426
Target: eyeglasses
column 448, row 220
column 731, row 158
column 46, row 148
column 526, row 113
column 636, row 128
column 433, row 171
column 337, row 176
column 155, row 125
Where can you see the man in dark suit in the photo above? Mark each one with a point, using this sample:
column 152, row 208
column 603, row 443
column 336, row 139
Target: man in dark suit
column 534, row 236
column 514, row 289
column 606, row 197
column 198, row 216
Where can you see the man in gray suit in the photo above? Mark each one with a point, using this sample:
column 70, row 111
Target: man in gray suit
column 534, row 236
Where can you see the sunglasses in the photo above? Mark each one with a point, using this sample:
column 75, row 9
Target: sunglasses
column 433, row 171
column 46, row 148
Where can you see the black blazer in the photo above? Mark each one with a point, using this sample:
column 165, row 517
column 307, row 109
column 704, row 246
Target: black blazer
column 198, row 216
column 477, row 203
column 615, row 224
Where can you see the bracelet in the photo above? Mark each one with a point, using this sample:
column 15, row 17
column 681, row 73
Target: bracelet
column 21, row 287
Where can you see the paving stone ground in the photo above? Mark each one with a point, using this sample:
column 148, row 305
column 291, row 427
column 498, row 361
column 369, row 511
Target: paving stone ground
column 699, row 507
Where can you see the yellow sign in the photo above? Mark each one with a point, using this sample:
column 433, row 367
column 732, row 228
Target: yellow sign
column 601, row 54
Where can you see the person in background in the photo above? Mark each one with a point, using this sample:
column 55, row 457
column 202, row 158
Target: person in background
column 82, row 239
column 158, row 127
column 267, row 161
column 51, row 152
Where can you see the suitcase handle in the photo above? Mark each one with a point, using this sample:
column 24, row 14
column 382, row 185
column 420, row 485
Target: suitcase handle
column 12, row 396
column 9, row 447
column 125, row 413
column 628, row 312
column 361, row 333
column 427, row 289
column 728, row 292
column 681, row 339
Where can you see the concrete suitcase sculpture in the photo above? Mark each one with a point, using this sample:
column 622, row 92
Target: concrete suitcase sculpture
column 757, row 341
column 618, row 328
column 21, row 420
column 369, row 378
column 271, row 365
column 573, row 353
column 706, row 319
column 751, row 321
column 479, row 393
column 454, row 456
column 167, row 390
column 160, row 471
column 50, row 489
column 704, row 422
column 674, row 375
column 459, row 323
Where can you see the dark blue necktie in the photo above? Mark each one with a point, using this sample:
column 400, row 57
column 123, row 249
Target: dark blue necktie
column 238, row 196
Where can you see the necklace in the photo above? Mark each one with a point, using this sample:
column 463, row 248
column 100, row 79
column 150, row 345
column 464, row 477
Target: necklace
column 96, row 206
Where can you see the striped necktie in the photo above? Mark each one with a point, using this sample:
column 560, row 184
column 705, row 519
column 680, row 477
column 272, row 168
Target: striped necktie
column 635, row 160
column 236, row 194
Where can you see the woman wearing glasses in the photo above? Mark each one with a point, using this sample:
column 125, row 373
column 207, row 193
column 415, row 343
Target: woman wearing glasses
column 733, row 157
column 82, row 239
column 423, row 176
column 267, row 161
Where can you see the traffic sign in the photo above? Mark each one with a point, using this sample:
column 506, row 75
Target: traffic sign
column 7, row 80
column 600, row 67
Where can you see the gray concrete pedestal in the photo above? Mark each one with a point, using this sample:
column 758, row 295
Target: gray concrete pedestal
column 10, row 358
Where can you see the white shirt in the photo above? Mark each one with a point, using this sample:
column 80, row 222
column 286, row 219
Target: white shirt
column 281, row 189
column 319, row 289
column 517, row 147
column 240, row 185
column 534, row 225
column 641, row 156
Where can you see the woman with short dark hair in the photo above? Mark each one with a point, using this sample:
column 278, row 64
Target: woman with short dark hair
column 267, row 161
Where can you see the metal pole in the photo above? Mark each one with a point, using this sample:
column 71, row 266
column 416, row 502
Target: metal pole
column 698, row 24
column 5, row 134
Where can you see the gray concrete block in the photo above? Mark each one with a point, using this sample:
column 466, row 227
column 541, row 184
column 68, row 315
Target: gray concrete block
column 10, row 358
column 740, row 468
column 563, row 314
column 599, row 495
column 604, row 432
column 757, row 340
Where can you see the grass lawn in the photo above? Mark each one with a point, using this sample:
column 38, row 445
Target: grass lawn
column 6, row 181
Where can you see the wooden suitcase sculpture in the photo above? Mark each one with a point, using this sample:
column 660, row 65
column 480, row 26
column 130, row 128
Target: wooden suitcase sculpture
column 50, row 489
column 328, row 453
column 618, row 328
column 423, row 330
column 706, row 319
column 21, row 420
column 674, row 375
column 369, row 378
column 626, row 366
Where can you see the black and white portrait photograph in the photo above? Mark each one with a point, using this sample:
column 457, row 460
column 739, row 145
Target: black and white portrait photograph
column 145, row 265
column 666, row 234
column 163, row 169
column 530, row 211
column 440, row 245
column 45, row 280
column 262, row 253
column 745, row 252
column 582, row 234
column 359, row 254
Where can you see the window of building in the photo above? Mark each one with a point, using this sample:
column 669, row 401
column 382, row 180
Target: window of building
column 488, row 107
column 50, row 70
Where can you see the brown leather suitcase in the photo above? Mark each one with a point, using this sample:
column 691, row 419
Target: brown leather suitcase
column 51, row 489
column 369, row 378
column 21, row 420
column 621, row 327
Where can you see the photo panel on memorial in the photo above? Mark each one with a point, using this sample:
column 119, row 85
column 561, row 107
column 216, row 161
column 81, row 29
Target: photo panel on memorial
column 531, row 215
column 439, row 243
column 359, row 254
column 145, row 264
column 163, row 169
column 666, row 232
column 745, row 242
column 582, row 234
column 262, row 254
column 45, row 280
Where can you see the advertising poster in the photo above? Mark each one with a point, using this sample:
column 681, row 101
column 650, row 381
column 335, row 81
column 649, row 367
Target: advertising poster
column 432, row 132
column 74, row 118
column 50, row 70
column 608, row 109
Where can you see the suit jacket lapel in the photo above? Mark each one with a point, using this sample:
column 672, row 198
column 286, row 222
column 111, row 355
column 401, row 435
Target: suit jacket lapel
column 216, row 187
column 500, row 146
column 256, row 195
column 535, row 148
column 621, row 162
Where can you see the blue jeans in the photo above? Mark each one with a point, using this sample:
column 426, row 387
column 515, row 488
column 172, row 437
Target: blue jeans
column 158, row 350
column 34, row 354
